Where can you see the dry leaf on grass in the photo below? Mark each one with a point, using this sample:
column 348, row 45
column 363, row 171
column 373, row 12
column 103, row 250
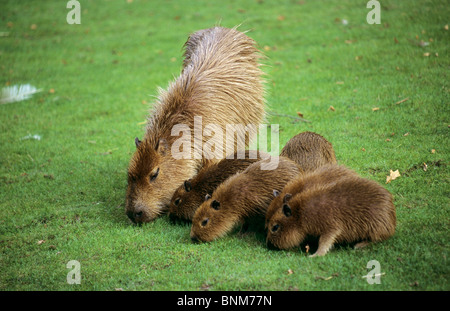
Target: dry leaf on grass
column 392, row 175
column 41, row 242
column 290, row 271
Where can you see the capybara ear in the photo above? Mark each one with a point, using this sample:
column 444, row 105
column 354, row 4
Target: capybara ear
column 207, row 197
column 187, row 185
column 287, row 197
column 287, row 210
column 276, row 193
column 162, row 146
column 215, row 204
column 137, row 142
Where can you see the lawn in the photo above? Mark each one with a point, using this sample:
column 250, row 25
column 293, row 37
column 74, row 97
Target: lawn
column 378, row 92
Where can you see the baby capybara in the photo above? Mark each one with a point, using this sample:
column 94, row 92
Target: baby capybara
column 191, row 194
column 325, row 174
column 220, row 83
column 348, row 209
column 240, row 198
column 309, row 150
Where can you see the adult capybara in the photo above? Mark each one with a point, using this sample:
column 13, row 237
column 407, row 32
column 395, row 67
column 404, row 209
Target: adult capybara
column 191, row 194
column 240, row 198
column 348, row 209
column 221, row 82
column 309, row 150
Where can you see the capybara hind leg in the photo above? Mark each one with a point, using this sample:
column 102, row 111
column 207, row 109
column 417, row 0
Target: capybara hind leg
column 361, row 244
column 326, row 241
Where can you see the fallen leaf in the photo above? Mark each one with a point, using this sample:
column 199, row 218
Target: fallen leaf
column 426, row 54
column 437, row 55
column 300, row 114
column 51, row 91
column 119, row 289
column 363, row 149
column 290, row 271
column 331, row 108
column 266, row 48
column 433, row 151
column 375, row 109
column 388, row 140
column 406, row 134
column 41, row 242
column 33, row 27
column 446, row 27
column 392, row 175
column 425, row 167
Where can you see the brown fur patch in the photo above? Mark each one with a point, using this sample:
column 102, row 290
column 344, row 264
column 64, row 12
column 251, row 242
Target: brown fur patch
column 221, row 82
column 241, row 197
column 347, row 209
column 184, row 203
column 309, row 150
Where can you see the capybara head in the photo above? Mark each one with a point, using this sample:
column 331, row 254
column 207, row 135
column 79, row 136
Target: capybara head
column 184, row 202
column 153, row 176
column 211, row 220
column 283, row 229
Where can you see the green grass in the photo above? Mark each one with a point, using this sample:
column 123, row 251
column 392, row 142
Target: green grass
column 68, row 189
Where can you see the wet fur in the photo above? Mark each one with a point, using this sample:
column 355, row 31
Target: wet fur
column 221, row 81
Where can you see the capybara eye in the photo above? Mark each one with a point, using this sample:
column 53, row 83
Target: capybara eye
column 215, row 204
column 153, row 176
column 205, row 222
column 177, row 201
column 275, row 228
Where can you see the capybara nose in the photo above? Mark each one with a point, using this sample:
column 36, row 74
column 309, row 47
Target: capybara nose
column 131, row 216
column 194, row 239
column 173, row 219
column 138, row 216
column 272, row 247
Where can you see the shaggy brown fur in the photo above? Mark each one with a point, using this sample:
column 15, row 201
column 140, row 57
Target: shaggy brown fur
column 241, row 197
column 221, row 82
column 326, row 174
column 189, row 196
column 309, row 150
column 351, row 209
